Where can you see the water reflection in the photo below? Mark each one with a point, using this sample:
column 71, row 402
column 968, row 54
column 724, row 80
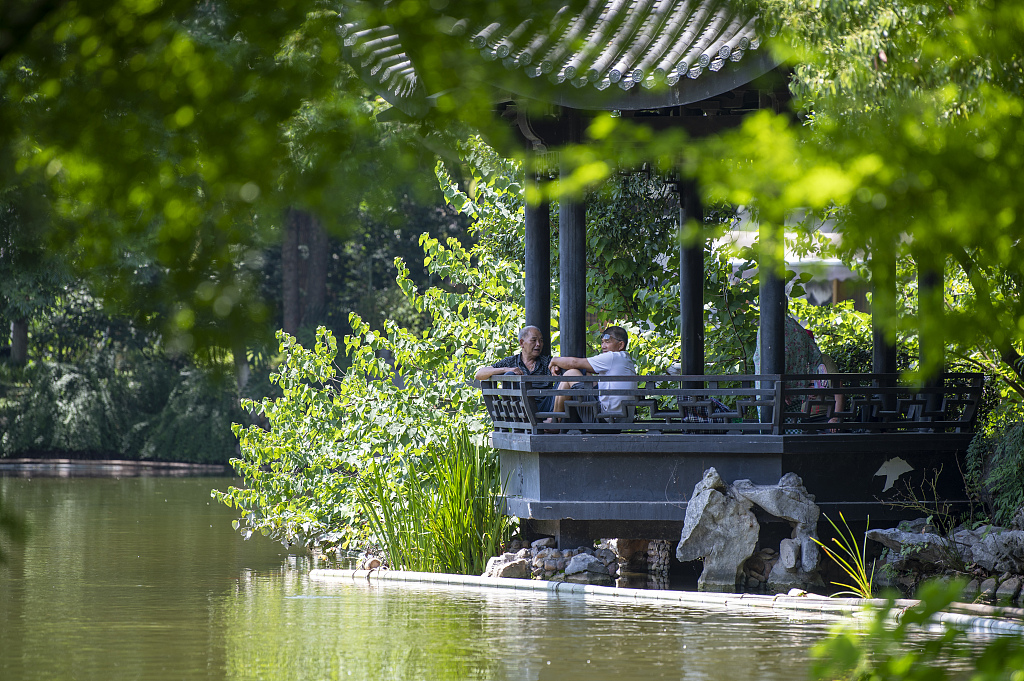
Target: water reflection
column 73, row 468
column 419, row 632
column 143, row 578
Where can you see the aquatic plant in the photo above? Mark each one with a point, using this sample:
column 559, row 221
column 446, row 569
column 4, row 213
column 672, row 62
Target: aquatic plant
column 852, row 558
column 437, row 513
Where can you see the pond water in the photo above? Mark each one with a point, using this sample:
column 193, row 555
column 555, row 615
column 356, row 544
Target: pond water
column 143, row 578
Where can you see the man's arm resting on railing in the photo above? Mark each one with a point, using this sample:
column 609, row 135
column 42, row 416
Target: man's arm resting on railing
column 484, row 373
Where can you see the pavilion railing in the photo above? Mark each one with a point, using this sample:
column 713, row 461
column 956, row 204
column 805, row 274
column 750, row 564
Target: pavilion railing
column 770, row 404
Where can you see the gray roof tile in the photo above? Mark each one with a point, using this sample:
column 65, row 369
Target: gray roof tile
column 653, row 43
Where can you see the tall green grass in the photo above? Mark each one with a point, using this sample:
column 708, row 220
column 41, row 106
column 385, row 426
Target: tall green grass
column 440, row 513
column 852, row 558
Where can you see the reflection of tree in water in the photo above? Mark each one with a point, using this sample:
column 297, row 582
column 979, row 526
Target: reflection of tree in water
column 13, row 529
column 287, row 627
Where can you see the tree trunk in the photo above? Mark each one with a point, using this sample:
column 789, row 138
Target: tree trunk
column 19, row 342
column 316, row 272
column 290, row 273
column 305, row 256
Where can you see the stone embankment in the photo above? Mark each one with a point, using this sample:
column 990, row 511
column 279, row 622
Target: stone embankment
column 991, row 557
column 723, row 533
column 542, row 560
column 720, row 530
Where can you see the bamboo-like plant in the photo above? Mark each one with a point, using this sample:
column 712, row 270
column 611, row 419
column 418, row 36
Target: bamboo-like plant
column 396, row 515
column 851, row 556
column 438, row 514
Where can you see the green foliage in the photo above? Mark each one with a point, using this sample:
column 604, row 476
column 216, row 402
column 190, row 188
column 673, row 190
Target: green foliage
column 492, row 198
column 907, row 135
column 909, row 651
column 437, row 514
column 69, row 408
column 632, row 245
column 995, row 463
column 402, row 392
column 296, row 485
column 845, row 335
column 193, row 425
column 851, row 556
column 176, row 132
column 730, row 331
column 30, row 277
column 120, row 405
column 933, row 92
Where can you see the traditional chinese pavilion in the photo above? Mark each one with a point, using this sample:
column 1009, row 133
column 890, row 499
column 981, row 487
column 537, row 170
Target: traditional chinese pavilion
column 698, row 65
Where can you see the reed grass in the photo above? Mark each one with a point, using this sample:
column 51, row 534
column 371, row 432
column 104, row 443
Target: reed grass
column 439, row 513
column 851, row 556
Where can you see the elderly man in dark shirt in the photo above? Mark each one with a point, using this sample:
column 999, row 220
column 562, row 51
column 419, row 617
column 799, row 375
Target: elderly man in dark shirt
column 527, row 362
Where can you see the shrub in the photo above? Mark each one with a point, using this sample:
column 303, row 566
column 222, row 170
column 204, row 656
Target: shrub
column 914, row 646
column 69, row 408
column 995, row 462
column 399, row 398
column 193, row 425
column 120, row 405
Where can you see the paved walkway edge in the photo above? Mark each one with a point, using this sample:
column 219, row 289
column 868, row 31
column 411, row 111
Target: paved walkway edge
column 811, row 605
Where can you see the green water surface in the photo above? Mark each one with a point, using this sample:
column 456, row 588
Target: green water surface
column 143, row 578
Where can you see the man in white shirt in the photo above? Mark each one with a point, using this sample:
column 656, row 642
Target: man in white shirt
column 613, row 361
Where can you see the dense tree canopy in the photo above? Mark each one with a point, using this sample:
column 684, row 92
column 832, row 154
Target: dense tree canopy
column 177, row 132
column 907, row 127
column 915, row 133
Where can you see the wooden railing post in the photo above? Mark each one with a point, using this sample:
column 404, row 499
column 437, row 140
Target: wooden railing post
column 488, row 400
column 778, row 407
column 528, row 405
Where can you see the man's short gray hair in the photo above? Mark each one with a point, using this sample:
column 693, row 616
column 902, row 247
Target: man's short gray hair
column 522, row 332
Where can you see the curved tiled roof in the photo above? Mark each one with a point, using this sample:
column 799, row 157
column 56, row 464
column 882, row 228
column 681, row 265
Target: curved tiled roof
column 655, row 45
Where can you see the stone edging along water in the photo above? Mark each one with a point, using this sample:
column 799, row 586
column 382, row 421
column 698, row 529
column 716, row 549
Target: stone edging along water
column 975, row 618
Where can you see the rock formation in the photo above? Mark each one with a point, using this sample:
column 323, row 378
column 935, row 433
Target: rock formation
column 720, row 530
column 799, row 555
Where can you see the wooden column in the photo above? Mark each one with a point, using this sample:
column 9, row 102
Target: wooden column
column 883, row 314
column 691, row 282
column 572, row 255
column 538, row 267
column 931, row 344
column 883, row 308
column 772, row 300
column 772, row 321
